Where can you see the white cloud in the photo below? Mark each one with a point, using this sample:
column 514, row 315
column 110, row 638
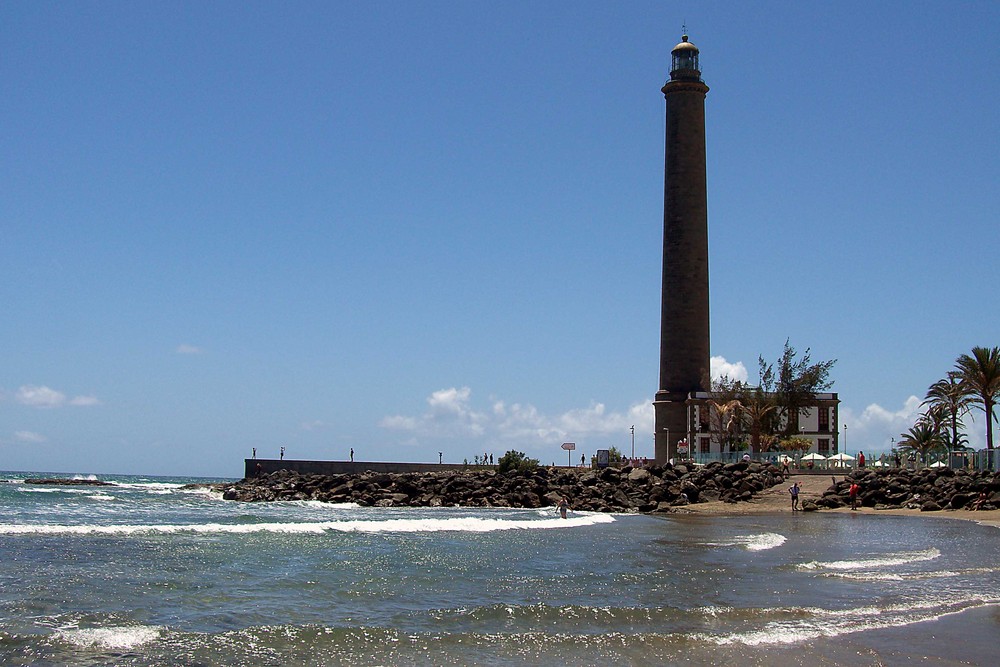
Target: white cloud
column 184, row 348
column 39, row 397
column 451, row 415
column 29, row 436
column 45, row 397
column 314, row 425
column 84, row 401
column 874, row 429
column 734, row 371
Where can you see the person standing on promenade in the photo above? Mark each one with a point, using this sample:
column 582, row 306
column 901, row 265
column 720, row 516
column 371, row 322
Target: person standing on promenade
column 794, row 492
column 282, row 456
column 352, row 454
column 861, row 459
column 854, row 495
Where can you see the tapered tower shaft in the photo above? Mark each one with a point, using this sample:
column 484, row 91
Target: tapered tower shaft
column 684, row 312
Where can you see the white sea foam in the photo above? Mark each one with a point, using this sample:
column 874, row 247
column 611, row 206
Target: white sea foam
column 458, row 524
column 909, row 576
column 124, row 637
column 319, row 504
column 756, row 542
column 833, row 623
column 101, row 496
column 763, row 541
column 149, row 486
column 890, row 560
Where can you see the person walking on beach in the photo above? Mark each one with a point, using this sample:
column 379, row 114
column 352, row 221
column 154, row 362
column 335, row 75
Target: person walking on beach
column 854, row 495
column 793, row 490
column 563, row 506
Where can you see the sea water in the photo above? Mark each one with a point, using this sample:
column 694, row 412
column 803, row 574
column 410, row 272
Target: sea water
column 148, row 572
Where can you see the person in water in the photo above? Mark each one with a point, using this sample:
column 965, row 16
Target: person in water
column 563, row 506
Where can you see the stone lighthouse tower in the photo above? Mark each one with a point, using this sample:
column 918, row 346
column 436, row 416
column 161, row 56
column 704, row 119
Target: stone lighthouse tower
column 684, row 316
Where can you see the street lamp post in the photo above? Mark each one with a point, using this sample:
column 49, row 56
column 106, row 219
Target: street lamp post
column 440, row 456
column 633, row 440
column 845, row 438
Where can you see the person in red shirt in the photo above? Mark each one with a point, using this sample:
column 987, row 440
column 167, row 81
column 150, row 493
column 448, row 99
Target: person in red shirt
column 854, row 495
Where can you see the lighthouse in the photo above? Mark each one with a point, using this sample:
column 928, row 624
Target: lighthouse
column 684, row 316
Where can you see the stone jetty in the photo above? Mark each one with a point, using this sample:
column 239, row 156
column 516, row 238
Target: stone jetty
column 628, row 489
column 62, row 481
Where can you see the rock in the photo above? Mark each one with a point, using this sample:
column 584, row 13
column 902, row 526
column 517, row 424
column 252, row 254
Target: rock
column 639, row 475
column 960, row 500
column 58, row 481
column 809, row 506
column 930, row 506
column 649, row 489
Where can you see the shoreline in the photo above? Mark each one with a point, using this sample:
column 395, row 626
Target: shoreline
column 775, row 500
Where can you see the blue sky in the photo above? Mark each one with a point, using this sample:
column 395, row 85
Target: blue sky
column 412, row 228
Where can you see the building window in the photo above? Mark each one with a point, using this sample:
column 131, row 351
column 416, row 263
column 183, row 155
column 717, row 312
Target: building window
column 823, row 445
column 824, row 420
column 705, row 445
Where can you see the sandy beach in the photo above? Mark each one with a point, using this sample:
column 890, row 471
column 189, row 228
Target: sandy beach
column 811, row 487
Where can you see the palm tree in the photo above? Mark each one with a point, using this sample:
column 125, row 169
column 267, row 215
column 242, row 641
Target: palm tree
column 949, row 398
column 757, row 406
column 922, row 438
column 726, row 414
column 980, row 374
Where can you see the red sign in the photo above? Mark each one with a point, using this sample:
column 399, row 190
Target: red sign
column 569, row 446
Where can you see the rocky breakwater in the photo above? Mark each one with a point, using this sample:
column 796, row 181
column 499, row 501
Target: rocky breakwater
column 60, row 481
column 649, row 489
column 929, row 489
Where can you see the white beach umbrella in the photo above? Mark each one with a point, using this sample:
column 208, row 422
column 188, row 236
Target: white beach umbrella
column 841, row 457
column 813, row 456
column 939, row 464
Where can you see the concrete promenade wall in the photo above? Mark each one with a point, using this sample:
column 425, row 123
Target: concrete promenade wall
column 268, row 466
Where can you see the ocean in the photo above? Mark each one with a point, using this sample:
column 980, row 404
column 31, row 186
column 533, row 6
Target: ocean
column 149, row 573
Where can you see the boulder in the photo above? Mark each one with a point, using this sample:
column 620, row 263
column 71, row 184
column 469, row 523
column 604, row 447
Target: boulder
column 639, row 476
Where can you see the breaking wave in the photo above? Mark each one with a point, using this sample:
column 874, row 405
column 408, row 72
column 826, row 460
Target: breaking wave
column 115, row 638
column 458, row 524
column 889, row 560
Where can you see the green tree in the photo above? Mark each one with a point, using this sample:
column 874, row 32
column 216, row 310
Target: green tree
column 795, row 444
column 922, row 438
column 726, row 420
column 949, row 398
column 792, row 385
column 980, row 375
column 516, row 462
column 758, row 407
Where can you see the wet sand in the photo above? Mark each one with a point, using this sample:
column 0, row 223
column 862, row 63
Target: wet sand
column 811, row 487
